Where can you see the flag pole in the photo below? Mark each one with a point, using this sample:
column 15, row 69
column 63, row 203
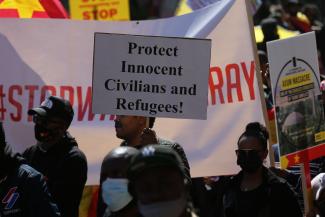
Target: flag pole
column 259, row 79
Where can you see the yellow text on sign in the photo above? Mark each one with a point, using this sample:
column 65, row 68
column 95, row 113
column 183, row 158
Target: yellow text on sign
column 100, row 9
column 320, row 136
column 296, row 80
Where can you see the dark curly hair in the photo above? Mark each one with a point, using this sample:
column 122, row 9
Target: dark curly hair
column 256, row 130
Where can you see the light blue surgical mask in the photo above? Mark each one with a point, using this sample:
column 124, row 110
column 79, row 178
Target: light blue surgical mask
column 115, row 193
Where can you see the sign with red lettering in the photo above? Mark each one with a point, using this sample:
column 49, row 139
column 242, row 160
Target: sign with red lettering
column 151, row 76
column 39, row 58
column 99, row 9
column 296, row 90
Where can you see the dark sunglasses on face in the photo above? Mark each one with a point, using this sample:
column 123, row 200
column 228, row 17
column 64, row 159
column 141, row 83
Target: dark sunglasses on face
column 39, row 120
column 247, row 151
column 46, row 125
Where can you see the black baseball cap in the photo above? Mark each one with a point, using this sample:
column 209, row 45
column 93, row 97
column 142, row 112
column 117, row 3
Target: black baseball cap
column 54, row 107
column 154, row 156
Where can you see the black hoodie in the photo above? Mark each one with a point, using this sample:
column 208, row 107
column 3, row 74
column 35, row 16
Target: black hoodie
column 23, row 191
column 65, row 168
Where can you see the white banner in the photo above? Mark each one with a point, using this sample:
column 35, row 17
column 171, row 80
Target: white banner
column 151, row 76
column 42, row 57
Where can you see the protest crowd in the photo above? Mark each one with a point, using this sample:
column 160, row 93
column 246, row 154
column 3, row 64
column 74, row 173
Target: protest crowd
column 149, row 176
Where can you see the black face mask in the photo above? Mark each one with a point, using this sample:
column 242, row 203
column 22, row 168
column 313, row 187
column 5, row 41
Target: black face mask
column 45, row 137
column 41, row 133
column 249, row 160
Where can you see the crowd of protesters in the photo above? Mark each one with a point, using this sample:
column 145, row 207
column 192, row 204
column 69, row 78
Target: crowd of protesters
column 143, row 176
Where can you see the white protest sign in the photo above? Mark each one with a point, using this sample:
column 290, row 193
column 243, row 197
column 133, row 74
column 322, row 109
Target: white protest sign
column 151, row 76
column 299, row 112
column 295, row 86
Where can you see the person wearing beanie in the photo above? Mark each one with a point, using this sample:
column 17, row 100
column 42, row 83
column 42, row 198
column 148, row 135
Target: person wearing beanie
column 159, row 184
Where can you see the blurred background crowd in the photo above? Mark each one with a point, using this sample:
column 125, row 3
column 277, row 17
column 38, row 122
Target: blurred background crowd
column 273, row 19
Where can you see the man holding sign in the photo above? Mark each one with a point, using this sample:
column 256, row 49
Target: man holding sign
column 134, row 133
column 149, row 76
column 133, row 130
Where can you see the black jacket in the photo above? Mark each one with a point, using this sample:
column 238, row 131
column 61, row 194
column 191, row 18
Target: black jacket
column 24, row 194
column 23, row 191
column 178, row 149
column 65, row 168
column 278, row 199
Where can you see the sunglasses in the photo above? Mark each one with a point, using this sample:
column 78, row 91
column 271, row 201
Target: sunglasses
column 39, row 120
column 247, row 151
column 49, row 125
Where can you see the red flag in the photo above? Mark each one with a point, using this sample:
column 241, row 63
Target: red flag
column 54, row 9
column 32, row 9
column 22, row 9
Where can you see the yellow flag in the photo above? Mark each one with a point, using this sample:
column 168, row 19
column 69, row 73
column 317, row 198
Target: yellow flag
column 22, row 9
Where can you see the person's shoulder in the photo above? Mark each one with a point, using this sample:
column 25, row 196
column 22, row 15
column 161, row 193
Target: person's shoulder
column 29, row 151
column 273, row 179
column 74, row 152
column 123, row 143
column 174, row 145
column 76, row 157
column 162, row 141
column 233, row 181
column 278, row 184
column 170, row 143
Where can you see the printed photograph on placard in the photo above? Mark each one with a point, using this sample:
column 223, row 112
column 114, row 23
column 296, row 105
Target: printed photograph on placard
column 300, row 115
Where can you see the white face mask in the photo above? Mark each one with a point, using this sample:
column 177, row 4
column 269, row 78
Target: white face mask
column 172, row 208
column 115, row 193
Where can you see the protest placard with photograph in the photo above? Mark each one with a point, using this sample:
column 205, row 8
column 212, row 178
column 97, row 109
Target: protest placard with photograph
column 295, row 86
